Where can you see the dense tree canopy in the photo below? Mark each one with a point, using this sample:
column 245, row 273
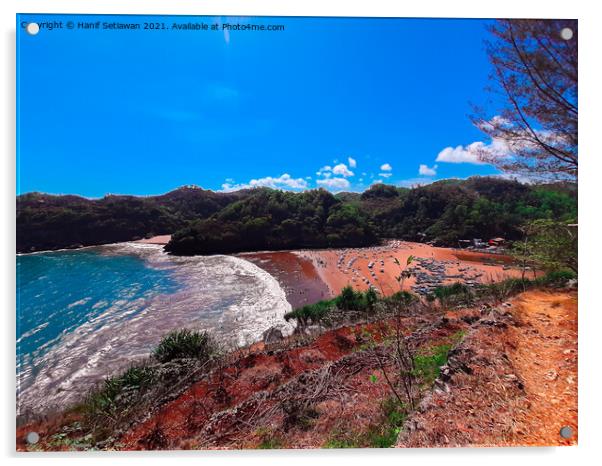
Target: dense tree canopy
column 480, row 207
column 271, row 219
column 51, row 222
column 204, row 222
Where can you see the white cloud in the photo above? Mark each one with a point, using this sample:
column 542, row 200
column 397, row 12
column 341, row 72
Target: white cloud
column 425, row 170
column 341, row 169
column 336, row 184
column 284, row 181
column 386, row 167
column 352, row 162
column 459, row 154
column 324, row 169
column 230, row 187
column 470, row 153
column 385, row 175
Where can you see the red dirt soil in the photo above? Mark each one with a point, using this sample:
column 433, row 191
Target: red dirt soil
column 511, row 381
column 258, row 371
column 544, row 355
column 519, row 382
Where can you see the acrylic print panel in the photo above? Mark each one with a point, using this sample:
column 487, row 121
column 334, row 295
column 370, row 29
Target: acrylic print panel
column 278, row 232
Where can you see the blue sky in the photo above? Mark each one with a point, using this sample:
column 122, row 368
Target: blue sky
column 328, row 102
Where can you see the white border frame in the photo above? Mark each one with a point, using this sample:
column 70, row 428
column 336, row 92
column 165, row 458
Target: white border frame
column 591, row 166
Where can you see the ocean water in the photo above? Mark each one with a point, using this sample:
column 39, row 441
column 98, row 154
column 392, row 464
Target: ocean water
column 88, row 313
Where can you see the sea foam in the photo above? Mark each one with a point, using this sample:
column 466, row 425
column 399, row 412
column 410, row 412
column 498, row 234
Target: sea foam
column 231, row 298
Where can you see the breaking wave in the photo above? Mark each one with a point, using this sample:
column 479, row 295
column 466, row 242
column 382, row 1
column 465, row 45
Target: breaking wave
column 231, row 298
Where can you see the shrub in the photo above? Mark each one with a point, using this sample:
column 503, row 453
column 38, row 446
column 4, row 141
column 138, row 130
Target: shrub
column 557, row 278
column 269, row 440
column 184, row 344
column 350, row 300
column 133, row 379
column 427, row 365
column 506, row 288
column 371, row 297
column 394, row 417
column 311, row 313
column 403, row 298
column 456, row 294
column 339, row 443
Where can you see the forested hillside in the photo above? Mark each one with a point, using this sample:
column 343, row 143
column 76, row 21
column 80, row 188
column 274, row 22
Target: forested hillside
column 47, row 221
column 270, row 219
column 206, row 222
column 479, row 207
column 442, row 212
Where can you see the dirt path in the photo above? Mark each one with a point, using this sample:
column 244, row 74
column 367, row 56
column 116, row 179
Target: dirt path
column 511, row 382
column 545, row 358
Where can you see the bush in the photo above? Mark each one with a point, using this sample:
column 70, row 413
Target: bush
column 403, row 298
column 339, row 443
column 504, row 289
column 371, row 297
column 382, row 434
column 184, row 344
column 270, row 443
column 133, row 379
column 557, row 278
column 311, row 313
column 394, row 417
column 456, row 294
column 427, row 365
column 350, row 300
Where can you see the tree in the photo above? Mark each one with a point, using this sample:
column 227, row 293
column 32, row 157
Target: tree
column 548, row 244
column 535, row 67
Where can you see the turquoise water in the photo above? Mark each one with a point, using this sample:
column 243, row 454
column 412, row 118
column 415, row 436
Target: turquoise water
column 86, row 314
column 59, row 291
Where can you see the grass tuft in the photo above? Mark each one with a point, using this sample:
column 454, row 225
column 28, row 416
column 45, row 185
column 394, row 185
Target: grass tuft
column 184, row 344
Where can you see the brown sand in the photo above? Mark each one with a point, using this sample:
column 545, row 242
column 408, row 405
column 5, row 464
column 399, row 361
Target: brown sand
column 341, row 267
column 308, row 276
column 296, row 275
column 161, row 239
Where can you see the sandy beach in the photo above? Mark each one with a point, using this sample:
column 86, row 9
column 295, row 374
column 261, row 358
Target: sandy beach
column 161, row 239
column 296, row 274
column 308, row 276
column 432, row 266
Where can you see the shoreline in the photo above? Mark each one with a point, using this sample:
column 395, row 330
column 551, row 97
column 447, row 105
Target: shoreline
column 158, row 240
column 432, row 266
column 297, row 276
column 227, row 296
column 300, row 272
column 311, row 275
